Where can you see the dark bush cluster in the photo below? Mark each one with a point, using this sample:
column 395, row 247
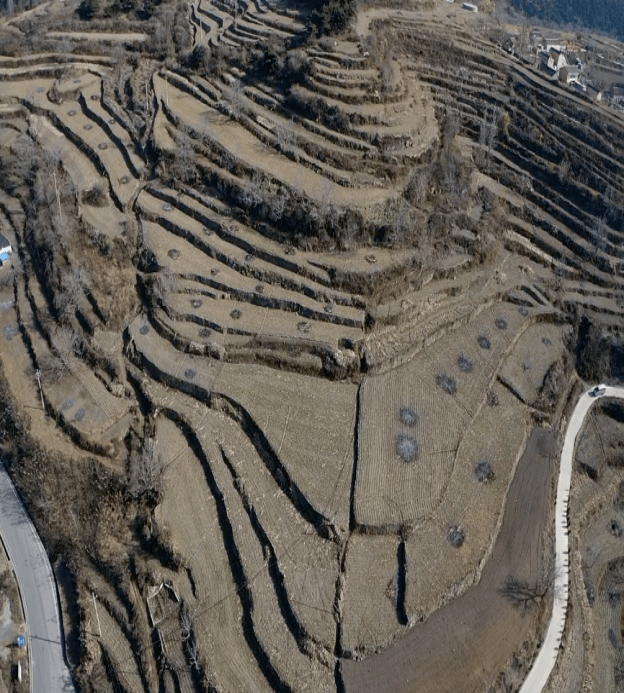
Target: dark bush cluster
column 501, row 323
column 456, row 536
column 464, row 363
column 484, row 471
column 408, row 417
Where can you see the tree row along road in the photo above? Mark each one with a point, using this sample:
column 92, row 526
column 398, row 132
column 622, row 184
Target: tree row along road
column 36, row 580
column 545, row 661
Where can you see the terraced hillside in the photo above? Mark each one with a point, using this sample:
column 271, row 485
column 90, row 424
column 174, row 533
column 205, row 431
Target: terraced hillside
column 279, row 320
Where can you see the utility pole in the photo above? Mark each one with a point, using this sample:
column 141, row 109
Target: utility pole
column 166, row 91
column 146, row 98
column 96, row 614
column 38, row 374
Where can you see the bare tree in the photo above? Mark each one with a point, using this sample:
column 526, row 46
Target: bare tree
column 285, row 135
column 145, row 475
column 183, row 167
column 524, row 594
column 234, row 99
column 68, row 298
column 278, row 204
column 488, row 132
column 252, row 192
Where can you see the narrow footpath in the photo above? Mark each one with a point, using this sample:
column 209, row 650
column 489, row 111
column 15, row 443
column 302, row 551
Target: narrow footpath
column 547, row 657
column 49, row 672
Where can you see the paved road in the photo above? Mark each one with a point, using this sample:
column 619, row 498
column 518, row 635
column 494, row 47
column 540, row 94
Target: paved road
column 49, row 675
column 545, row 661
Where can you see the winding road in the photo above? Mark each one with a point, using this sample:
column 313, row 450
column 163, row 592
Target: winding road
column 36, row 580
column 545, row 661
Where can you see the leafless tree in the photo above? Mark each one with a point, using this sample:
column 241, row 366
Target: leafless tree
column 145, row 474
column 285, row 135
column 524, row 594
column 68, row 298
column 278, row 204
column 488, row 132
column 184, row 160
column 234, row 99
column 252, row 193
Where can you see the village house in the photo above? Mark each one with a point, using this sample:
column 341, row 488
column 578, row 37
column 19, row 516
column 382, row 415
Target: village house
column 569, row 74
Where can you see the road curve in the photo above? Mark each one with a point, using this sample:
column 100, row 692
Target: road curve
column 545, row 660
column 34, row 574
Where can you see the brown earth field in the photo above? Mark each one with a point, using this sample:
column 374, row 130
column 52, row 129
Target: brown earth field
column 281, row 311
column 464, row 645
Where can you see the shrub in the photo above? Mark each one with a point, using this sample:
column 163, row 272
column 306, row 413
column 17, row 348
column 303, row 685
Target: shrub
column 408, row 417
column 501, row 323
column 483, row 342
column 448, row 383
column 492, row 399
column 484, row 472
column 95, row 197
column 334, row 16
column 456, row 536
column 464, row 363
column 407, row 447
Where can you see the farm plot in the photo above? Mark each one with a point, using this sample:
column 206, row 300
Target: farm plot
column 70, row 388
column 237, row 140
column 465, row 644
column 443, row 554
column 307, row 562
column 238, row 317
column 74, row 123
column 408, row 432
column 309, row 424
column 372, row 593
column 165, row 363
column 116, row 648
column 190, row 513
column 601, row 441
column 190, row 252
column 234, row 242
column 257, row 585
column 106, row 219
column 538, row 348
